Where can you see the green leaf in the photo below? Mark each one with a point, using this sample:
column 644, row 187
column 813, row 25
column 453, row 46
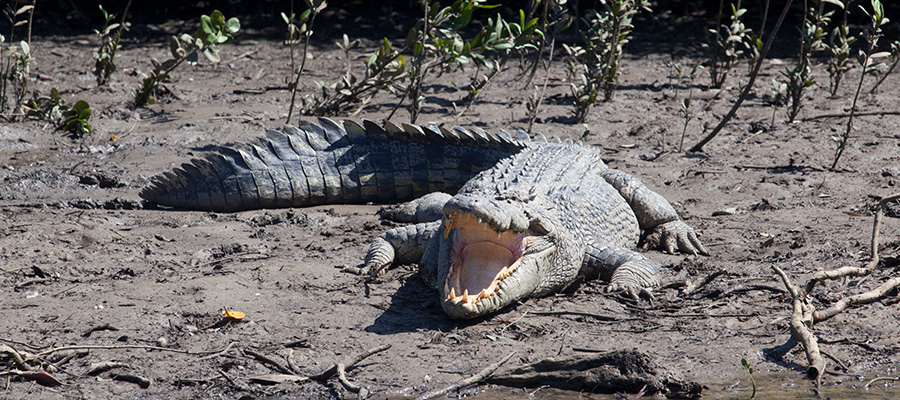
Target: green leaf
column 211, row 54
column 232, row 26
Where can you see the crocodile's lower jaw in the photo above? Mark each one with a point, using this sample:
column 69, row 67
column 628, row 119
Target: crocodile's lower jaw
column 483, row 266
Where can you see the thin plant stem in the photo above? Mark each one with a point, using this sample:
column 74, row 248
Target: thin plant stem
column 543, row 91
column 846, row 135
column 309, row 27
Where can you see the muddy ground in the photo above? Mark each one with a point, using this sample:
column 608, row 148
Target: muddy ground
column 83, row 264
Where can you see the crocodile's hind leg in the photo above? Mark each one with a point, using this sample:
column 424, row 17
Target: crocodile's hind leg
column 427, row 208
column 655, row 215
column 624, row 269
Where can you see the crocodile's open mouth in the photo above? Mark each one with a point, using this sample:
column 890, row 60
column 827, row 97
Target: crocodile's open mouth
column 481, row 258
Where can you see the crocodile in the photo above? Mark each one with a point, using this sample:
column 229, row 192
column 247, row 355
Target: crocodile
column 526, row 218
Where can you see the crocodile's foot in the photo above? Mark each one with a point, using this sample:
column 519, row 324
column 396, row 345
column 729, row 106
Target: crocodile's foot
column 635, row 278
column 675, row 235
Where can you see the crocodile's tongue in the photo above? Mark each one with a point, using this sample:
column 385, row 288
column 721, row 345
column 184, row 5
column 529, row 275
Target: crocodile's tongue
column 482, row 265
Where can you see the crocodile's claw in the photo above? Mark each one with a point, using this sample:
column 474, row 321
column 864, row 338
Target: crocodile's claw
column 675, row 235
column 631, row 291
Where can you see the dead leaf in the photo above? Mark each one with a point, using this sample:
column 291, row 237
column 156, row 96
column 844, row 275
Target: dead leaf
column 42, row 377
column 233, row 315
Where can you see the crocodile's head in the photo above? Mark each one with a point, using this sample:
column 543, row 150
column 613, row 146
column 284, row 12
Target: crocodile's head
column 495, row 252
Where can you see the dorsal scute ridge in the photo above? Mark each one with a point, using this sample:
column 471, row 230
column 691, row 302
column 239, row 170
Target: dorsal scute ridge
column 326, row 133
column 465, row 136
column 315, row 134
column 333, row 131
column 395, row 132
column 299, row 144
column 280, row 145
column 374, row 130
column 263, row 148
column 429, row 132
column 355, row 132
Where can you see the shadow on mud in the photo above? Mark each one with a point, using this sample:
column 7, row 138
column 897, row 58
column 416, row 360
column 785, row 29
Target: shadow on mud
column 414, row 306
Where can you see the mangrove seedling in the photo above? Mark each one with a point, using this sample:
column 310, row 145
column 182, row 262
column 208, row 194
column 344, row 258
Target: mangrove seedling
column 105, row 56
column 726, row 44
column 811, row 39
column 838, row 49
column 596, row 61
column 15, row 63
column 74, row 119
column 214, row 31
column 749, row 370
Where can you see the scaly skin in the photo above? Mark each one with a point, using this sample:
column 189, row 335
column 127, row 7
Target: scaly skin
column 537, row 217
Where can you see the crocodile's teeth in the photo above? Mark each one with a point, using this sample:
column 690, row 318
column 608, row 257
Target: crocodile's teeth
column 484, row 294
column 503, row 273
column 465, row 296
column 452, row 293
column 448, row 226
column 447, row 288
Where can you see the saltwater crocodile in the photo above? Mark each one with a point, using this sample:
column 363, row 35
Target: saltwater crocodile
column 528, row 217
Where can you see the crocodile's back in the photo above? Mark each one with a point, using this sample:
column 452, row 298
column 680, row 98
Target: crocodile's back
column 568, row 176
column 327, row 163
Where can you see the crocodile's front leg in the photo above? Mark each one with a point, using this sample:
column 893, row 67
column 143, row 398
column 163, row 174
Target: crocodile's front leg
column 403, row 245
column 624, row 269
column 655, row 215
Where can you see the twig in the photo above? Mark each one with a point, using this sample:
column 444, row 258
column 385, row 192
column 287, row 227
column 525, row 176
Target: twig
column 845, row 115
column 484, row 374
column 218, row 353
column 269, row 360
column 859, row 299
column 579, row 313
column 290, row 362
column 342, row 377
column 837, row 361
column 135, row 379
column 513, row 322
column 127, row 346
column 328, row 373
column 692, row 288
column 881, row 378
column 19, row 360
column 805, row 314
column 856, row 271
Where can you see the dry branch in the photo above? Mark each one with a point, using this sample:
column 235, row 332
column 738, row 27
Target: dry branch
column 339, row 369
column 804, row 314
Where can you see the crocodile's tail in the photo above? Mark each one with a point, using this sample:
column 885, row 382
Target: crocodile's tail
column 330, row 164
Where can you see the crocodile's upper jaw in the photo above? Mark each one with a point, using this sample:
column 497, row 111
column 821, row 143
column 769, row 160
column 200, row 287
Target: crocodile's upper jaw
column 488, row 269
